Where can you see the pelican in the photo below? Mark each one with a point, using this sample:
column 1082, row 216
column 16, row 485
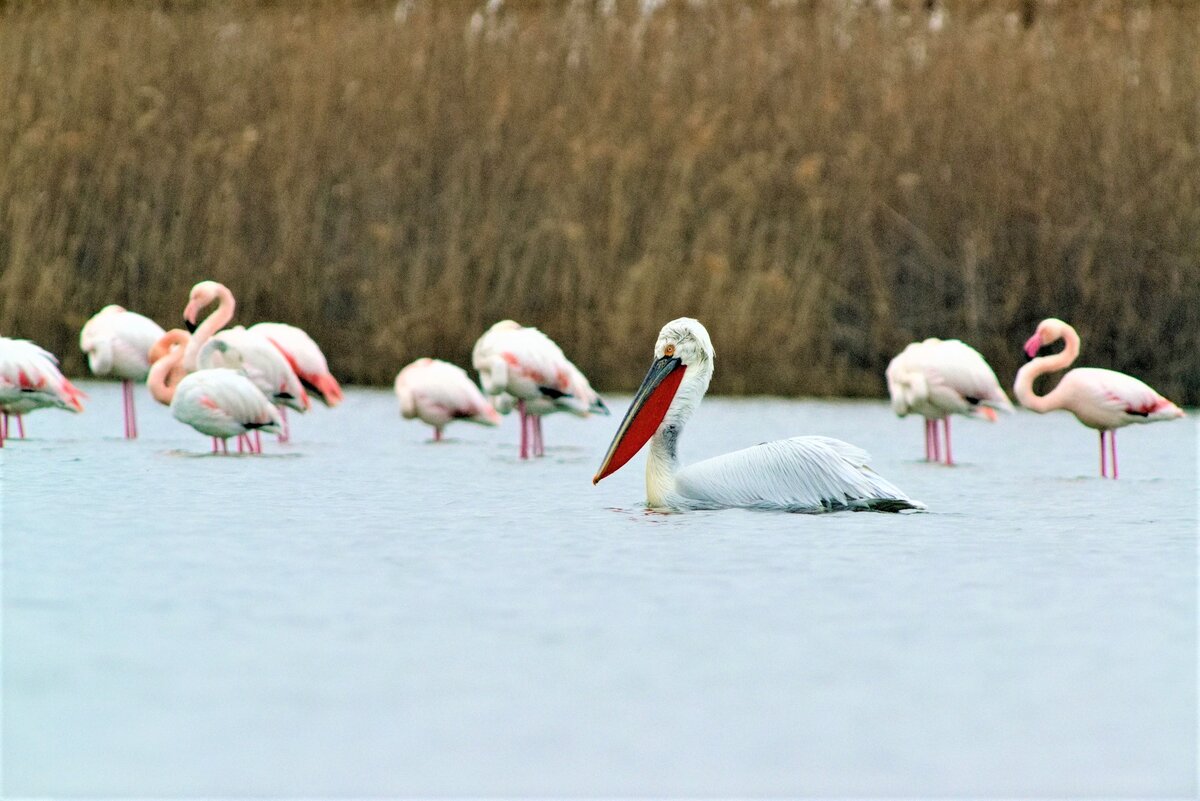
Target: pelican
column 801, row 474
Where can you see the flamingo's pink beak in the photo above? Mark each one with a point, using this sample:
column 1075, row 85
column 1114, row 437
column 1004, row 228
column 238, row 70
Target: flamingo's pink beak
column 646, row 412
column 1033, row 345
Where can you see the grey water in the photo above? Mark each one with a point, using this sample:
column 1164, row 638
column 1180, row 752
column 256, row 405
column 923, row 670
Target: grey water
column 365, row 613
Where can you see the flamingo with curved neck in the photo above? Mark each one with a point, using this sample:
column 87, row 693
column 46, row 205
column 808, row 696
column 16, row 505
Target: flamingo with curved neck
column 203, row 294
column 166, row 371
column 1101, row 399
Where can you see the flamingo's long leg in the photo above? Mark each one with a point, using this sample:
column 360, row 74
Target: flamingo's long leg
column 937, row 446
column 1103, row 464
column 1112, row 440
column 949, row 458
column 225, row 446
column 257, row 441
column 285, row 435
column 215, row 446
column 524, row 443
column 21, row 425
column 928, row 447
column 437, row 434
column 541, row 441
column 132, row 411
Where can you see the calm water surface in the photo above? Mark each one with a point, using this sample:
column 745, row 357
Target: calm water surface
column 366, row 613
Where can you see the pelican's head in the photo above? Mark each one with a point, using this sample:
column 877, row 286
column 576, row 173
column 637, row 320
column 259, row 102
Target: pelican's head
column 678, row 378
column 1048, row 331
column 201, row 295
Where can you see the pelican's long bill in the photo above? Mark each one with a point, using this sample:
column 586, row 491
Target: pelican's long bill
column 646, row 412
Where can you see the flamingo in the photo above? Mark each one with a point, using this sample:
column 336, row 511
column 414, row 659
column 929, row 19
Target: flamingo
column 523, row 367
column 1101, row 399
column 117, row 343
column 438, row 393
column 801, row 474
column 219, row 402
column 29, row 380
column 937, row 378
column 305, row 358
column 238, row 348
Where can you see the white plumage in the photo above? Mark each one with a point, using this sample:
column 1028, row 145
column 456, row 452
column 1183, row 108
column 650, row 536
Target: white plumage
column 522, row 367
column 801, row 474
column 30, row 379
column 305, row 357
column 439, row 393
column 117, row 343
column 940, row 377
column 252, row 353
column 223, row 403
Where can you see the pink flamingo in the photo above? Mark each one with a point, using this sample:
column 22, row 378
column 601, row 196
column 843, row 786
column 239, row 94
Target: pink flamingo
column 29, row 380
column 937, row 378
column 306, row 360
column 238, row 348
column 218, row 402
column 438, row 393
column 1101, row 399
column 523, row 367
column 117, row 343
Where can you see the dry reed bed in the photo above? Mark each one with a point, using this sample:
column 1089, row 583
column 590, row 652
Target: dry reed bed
column 819, row 186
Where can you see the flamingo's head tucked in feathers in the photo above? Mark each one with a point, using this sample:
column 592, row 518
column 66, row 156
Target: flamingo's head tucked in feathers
column 671, row 390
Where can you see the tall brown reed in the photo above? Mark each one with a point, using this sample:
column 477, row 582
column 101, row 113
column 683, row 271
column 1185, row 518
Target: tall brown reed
column 818, row 184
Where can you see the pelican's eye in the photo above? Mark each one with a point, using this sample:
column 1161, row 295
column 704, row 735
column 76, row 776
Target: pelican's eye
column 669, row 350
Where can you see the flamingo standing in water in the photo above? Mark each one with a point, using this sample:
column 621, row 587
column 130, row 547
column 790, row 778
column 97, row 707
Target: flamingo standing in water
column 801, row 474
column 219, row 402
column 117, row 343
column 306, row 360
column 523, row 367
column 937, row 378
column 438, row 393
column 1101, row 399
column 238, row 348
column 30, row 380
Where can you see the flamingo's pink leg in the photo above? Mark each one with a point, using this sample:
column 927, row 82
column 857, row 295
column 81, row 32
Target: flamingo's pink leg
column 225, row 445
column 285, row 435
column 132, row 411
column 1103, row 465
column 257, row 441
column 928, row 447
column 21, row 425
column 937, row 446
column 437, row 434
column 541, row 445
column 1112, row 439
column 524, row 443
column 215, row 446
column 949, row 458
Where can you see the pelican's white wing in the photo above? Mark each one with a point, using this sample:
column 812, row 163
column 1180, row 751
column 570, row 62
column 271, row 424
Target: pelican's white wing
column 801, row 474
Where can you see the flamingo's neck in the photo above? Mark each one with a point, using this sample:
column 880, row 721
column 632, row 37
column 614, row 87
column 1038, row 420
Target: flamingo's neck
column 1023, row 387
column 165, row 375
column 663, row 460
column 211, row 325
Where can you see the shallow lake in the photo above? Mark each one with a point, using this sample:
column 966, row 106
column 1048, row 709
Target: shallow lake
column 364, row 613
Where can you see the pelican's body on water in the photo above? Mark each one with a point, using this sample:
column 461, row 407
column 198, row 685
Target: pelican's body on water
column 522, row 367
column 940, row 377
column 1101, row 399
column 801, row 474
column 438, row 393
